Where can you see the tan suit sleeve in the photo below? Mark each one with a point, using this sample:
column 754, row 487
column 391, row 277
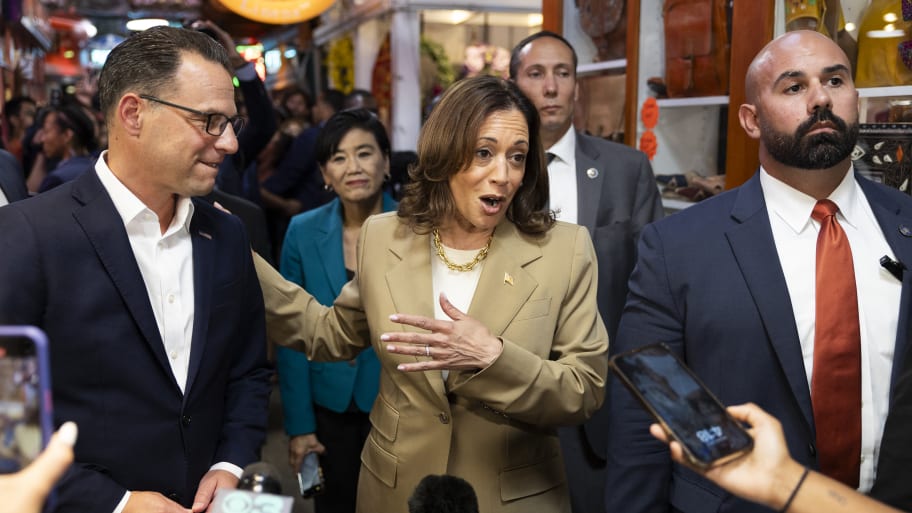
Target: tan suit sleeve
column 568, row 387
column 296, row 320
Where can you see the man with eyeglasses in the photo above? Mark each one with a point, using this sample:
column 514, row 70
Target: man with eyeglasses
column 148, row 295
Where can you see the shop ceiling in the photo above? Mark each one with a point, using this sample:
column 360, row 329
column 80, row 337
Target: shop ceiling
column 110, row 16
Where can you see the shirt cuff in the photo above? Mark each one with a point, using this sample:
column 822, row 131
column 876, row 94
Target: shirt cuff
column 224, row 465
column 246, row 72
column 123, row 502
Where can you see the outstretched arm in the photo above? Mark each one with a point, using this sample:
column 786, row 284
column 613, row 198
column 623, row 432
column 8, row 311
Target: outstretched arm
column 768, row 474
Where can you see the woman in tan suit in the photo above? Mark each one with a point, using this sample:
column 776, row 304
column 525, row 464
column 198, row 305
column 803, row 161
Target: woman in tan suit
column 481, row 309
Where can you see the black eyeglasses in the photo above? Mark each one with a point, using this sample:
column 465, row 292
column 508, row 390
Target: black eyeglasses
column 216, row 122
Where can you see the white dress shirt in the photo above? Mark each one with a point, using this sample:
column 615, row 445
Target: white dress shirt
column 562, row 177
column 3, row 199
column 795, row 235
column 166, row 264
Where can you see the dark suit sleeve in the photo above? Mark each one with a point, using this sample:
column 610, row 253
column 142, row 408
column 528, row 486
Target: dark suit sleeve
column 893, row 484
column 23, row 286
column 22, row 299
column 639, row 467
column 249, row 374
column 286, row 179
column 261, row 124
column 648, row 204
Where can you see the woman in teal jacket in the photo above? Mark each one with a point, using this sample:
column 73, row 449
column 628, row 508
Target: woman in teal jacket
column 326, row 405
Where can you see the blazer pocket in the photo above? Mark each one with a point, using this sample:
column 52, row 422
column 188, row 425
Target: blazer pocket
column 528, row 480
column 384, row 419
column 379, row 462
column 688, row 496
column 534, row 308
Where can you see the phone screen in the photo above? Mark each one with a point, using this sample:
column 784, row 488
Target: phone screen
column 682, row 404
column 25, row 412
column 310, row 476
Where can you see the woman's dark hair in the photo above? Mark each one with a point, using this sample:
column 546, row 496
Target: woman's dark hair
column 343, row 122
column 446, row 146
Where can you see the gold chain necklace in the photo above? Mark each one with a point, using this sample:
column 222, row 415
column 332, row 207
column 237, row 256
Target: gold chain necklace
column 463, row 268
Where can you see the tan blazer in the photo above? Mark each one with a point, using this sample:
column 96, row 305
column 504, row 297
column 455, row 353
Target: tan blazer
column 495, row 427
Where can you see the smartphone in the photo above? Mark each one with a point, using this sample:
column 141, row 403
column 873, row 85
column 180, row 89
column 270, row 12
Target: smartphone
column 687, row 411
column 310, row 476
column 26, row 421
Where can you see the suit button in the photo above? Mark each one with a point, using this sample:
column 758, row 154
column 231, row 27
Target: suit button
column 444, row 418
column 812, row 449
column 185, row 420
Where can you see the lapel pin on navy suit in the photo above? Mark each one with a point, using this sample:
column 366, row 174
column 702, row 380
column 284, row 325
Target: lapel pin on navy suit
column 905, row 231
column 205, row 235
column 592, row 172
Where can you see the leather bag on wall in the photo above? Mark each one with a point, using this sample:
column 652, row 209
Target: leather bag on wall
column 697, row 47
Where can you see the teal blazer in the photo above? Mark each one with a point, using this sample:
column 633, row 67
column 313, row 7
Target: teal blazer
column 312, row 257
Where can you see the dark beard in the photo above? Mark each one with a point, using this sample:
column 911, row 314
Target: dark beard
column 818, row 151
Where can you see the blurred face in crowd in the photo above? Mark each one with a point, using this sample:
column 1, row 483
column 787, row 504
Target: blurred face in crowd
column 26, row 116
column 357, row 168
column 484, row 188
column 188, row 156
column 53, row 138
column 547, row 77
column 296, row 106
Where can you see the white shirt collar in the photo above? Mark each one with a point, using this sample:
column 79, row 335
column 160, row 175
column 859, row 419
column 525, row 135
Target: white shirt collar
column 795, row 207
column 565, row 147
column 129, row 206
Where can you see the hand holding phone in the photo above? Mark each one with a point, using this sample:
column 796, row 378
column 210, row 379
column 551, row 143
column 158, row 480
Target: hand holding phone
column 25, row 397
column 687, row 411
column 310, row 476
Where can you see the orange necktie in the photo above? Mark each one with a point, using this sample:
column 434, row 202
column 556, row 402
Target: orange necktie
column 836, row 380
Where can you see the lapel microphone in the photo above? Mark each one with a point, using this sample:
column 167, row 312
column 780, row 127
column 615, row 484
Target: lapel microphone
column 894, row 267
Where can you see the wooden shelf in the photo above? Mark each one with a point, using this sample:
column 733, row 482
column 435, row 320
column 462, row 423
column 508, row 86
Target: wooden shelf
column 697, row 101
column 884, row 92
column 597, row 67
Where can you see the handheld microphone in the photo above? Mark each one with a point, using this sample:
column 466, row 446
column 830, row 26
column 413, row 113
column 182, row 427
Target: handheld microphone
column 259, row 491
column 894, row 267
column 260, row 477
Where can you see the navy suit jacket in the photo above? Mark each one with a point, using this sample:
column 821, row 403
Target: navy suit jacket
column 298, row 175
column 12, row 180
column 68, row 268
column 708, row 283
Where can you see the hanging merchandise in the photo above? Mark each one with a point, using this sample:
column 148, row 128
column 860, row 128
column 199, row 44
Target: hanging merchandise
column 605, row 21
column 697, row 47
column 881, row 37
column 340, row 64
column 649, row 114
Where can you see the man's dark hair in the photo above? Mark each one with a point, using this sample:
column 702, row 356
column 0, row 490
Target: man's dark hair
column 14, row 106
column 361, row 98
column 443, row 494
column 334, row 98
column 147, row 62
column 71, row 116
column 515, row 59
